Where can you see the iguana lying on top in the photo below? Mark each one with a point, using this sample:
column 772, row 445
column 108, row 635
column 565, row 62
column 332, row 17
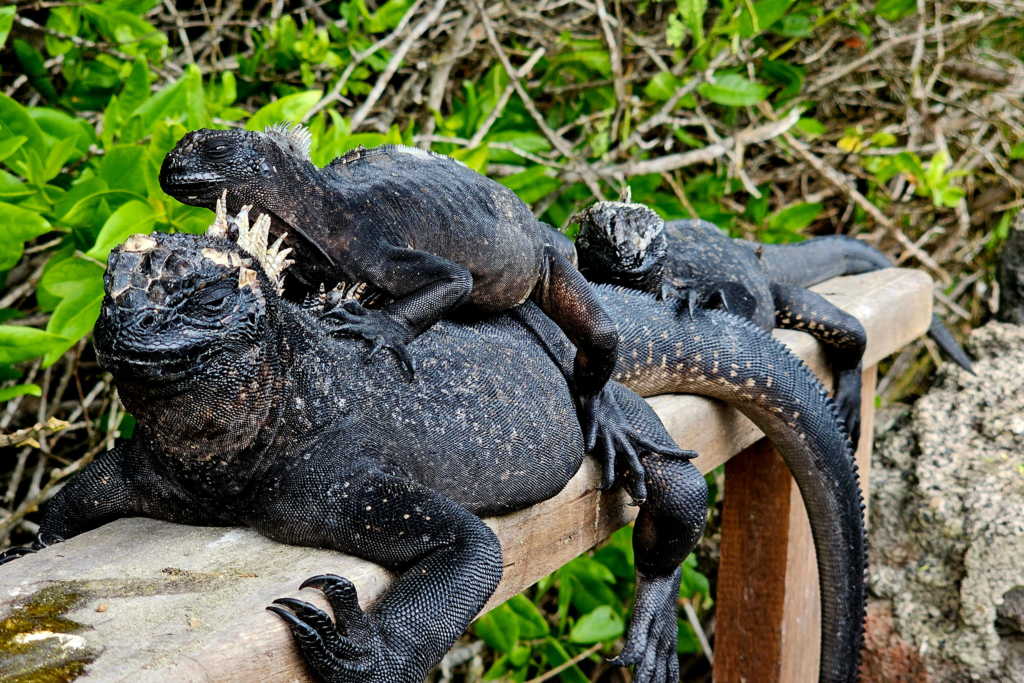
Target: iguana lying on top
column 431, row 233
column 630, row 245
column 248, row 412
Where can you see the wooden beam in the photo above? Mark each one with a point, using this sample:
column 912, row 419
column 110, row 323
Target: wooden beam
column 143, row 600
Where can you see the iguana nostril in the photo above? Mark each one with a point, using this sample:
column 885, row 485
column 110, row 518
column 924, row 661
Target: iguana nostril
column 147, row 322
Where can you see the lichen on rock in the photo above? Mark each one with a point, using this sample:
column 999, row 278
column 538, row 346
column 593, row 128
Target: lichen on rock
column 946, row 543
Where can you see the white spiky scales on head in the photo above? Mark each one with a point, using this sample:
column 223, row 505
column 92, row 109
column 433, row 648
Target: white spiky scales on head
column 294, row 138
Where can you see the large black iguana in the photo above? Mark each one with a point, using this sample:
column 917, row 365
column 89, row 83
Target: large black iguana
column 630, row 245
column 249, row 413
column 431, row 233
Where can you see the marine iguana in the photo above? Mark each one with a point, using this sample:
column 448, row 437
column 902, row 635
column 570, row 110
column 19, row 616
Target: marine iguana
column 630, row 245
column 249, row 413
column 424, row 228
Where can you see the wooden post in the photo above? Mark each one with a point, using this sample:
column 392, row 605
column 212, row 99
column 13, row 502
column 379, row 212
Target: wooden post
column 769, row 614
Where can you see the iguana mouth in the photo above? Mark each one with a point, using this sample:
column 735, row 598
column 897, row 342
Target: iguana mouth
column 186, row 179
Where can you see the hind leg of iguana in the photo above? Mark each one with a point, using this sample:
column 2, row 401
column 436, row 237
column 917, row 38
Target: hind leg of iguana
column 669, row 526
column 566, row 297
column 797, row 308
column 450, row 563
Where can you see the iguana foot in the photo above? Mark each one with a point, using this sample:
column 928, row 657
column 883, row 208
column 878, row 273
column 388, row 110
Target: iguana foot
column 374, row 326
column 14, row 553
column 847, row 398
column 610, row 434
column 43, row 540
column 349, row 650
column 653, row 632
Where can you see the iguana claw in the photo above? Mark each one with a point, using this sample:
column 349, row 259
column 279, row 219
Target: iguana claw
column 348, row 650
column 373, row 326
column 14, row 553
column 653, row 633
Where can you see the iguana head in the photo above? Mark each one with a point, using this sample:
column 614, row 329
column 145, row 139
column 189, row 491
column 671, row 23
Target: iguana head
column 174, row 302
column 248, row 164
column 621, row 243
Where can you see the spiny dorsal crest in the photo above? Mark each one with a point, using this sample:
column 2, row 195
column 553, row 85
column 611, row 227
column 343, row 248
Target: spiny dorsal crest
column 292, row 138
column 272, row 259
column 220, row 219
column 254, row 240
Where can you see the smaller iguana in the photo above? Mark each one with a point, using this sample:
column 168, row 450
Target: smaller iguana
column 630, row 245
column 423, row 228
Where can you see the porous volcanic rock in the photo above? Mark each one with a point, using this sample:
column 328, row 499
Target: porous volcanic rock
column 946, row 543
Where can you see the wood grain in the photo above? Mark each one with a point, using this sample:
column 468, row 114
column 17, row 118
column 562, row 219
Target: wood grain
column 187, row 603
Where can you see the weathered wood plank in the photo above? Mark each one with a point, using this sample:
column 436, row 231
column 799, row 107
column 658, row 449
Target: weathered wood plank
column 186, row 603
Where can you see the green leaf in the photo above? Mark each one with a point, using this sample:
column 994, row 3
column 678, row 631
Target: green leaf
column 499, row 628
column 795, row 218
column 191, row 219
column 600, row 625
column 32, row 64
column 58, row 125
column 662, row 86
column 790, row 77
column 19, row 343
column 532, row 623
column 121, row 168
column 692, row 14
column 132, row 218
column 692, row 580
column 60, row 152
column 1018, row 151
column 531, row 185
column 6, row 22
column 908, row 162
column 17, row 226
column 20, row 390
column 810, row 128
column 136, row 87
column 556, row 656
column 475, row 158
column 183, row 100
column 733, row 90
column 894, row 10
column 289, row 108
column 76, row 314
column 767, row 11
column 687, row 643
column 11, row 145
column 16, row 120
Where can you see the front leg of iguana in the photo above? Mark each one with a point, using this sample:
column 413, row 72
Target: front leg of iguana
column 449, row 559
column 841, row 333
column 566, row 297
column 424, row 287
column 119, row 483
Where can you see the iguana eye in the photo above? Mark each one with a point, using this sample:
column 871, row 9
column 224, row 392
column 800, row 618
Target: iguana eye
column 215, row 305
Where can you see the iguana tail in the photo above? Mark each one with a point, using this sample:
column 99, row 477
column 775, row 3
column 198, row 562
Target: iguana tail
column 818, row 259
column 663, row 348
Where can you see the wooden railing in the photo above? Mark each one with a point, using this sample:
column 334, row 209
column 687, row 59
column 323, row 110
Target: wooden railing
column 163, row 602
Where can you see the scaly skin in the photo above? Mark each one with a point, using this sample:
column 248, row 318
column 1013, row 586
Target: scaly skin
column 628, row 244
column 425, row 229
column 249, row 413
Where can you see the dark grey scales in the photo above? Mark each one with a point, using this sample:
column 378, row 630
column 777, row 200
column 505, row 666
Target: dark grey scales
column 249, row 413
column 425, row 229
column 628, row 244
